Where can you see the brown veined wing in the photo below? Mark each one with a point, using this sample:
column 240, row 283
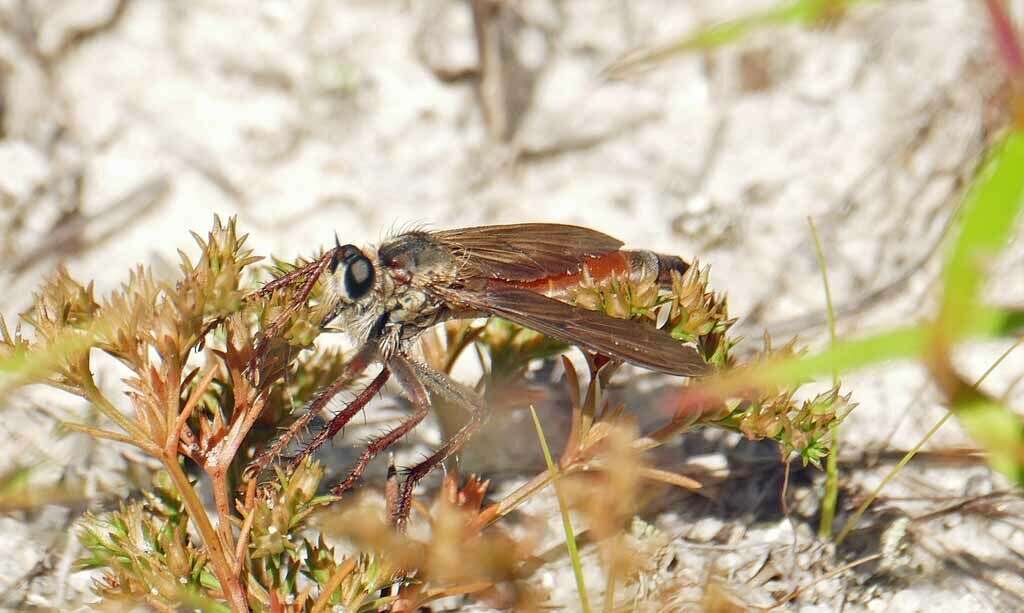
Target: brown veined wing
column 625, row 339
column 525, row 252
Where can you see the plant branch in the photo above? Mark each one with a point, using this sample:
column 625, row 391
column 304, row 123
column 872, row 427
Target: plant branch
column 246, row 530
column 111, row 436
column 103, row 405
column 234, row 592
column 175, row 434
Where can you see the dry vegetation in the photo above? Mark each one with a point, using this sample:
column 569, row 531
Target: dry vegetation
column 212, row 356
column 193, row 372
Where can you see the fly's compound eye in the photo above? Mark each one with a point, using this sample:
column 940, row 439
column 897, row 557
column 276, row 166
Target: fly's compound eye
column 352, row 272
column 358, row 276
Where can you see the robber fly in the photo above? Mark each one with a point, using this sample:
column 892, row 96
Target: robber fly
column 385, row 297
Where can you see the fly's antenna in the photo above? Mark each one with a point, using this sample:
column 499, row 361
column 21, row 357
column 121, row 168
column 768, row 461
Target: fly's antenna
column 335, row 253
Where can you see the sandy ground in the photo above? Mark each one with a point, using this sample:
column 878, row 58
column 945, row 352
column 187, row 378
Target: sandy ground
column 308, row 117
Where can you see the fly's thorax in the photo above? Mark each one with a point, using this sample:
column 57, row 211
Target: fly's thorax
column 418, row 259
column 411, row 264
column 413, row 306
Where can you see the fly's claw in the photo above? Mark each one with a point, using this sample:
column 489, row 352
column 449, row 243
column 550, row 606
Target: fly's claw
column 256, row 468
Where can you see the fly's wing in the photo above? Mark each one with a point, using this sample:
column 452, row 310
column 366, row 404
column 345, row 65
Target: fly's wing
column 524, row 252
column 625, row 339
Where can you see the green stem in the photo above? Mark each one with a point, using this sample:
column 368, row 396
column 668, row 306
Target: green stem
column 563, row 505
column 831, row 497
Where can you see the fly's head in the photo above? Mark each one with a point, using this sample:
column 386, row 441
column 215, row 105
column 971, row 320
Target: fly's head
column 389, row 284
column 353, row 285
column 352, row 276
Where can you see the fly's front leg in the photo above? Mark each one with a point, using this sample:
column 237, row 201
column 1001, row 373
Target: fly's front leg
column 340, row 420
column 406, row 373
column 442, row 385
column 359, row 362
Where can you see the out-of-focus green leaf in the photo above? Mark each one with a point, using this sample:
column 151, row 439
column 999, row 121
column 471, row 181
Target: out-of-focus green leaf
column 799, row 12
column 987, row 221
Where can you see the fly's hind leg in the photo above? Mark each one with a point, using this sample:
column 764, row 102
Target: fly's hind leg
column 442, row 385
column 406, row 373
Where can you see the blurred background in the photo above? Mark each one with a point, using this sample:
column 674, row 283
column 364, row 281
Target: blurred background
column 124, row 124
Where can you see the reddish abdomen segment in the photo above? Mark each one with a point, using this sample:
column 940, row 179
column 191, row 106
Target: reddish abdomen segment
column 638, row 265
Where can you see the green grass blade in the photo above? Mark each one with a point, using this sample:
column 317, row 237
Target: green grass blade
column 910, row 342
column 903, row 343
column 854, row 519
column 717, row 35
column 988, row 219
column 848, row 355
column 831, row 496
column 570, row 534
column 997, row 429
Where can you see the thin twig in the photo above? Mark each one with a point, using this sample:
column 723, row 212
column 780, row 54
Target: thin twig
column 851, row 523
column 246, row 529
column 101, row 433
column 175, row 434
column 799, row 590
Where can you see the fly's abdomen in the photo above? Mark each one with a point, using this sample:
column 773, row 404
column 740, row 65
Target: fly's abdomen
column 648, row 265
column 638, row 265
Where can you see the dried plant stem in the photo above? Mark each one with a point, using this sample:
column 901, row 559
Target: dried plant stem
column 100, row 433
column 233, row 590
column 669, row 477
column 186, row 411
column 217, row 465
column 167, row 432
column 239, row 429
column 525, row 492
column 834, row 573
column 222, row 500
column 246, row 529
